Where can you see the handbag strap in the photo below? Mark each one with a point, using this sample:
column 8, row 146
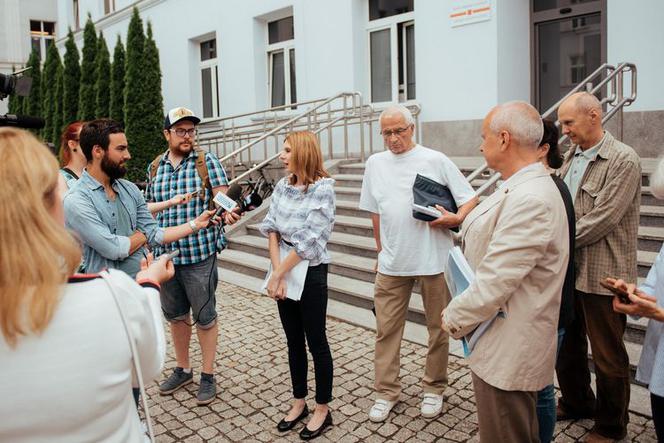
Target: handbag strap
column 134, row 354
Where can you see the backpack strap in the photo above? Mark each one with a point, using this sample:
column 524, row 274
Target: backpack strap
column 204, row 175
column 155, row 165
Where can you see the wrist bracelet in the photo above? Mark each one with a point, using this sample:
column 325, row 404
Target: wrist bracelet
column 192, row 225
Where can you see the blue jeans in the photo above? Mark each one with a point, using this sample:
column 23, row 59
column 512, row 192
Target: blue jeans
column 546, row 405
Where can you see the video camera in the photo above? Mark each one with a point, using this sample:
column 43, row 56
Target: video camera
column 20, row 85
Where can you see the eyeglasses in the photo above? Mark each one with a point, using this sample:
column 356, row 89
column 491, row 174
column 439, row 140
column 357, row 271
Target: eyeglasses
column 181, row 132
column 398, row 132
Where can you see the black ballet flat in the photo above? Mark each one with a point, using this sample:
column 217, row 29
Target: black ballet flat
column 307, row 434
column 284, row 425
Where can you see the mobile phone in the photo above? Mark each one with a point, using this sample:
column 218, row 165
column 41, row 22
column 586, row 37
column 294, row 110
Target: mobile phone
column 171, row 255
column 619, row 292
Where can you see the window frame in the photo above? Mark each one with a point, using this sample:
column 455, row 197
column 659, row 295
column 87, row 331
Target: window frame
column 42, row 36
column 391, row 23
column 285, row 47
column 109, row 6
column 213, row 65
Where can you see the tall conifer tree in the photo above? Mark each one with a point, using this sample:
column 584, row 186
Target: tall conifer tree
column 58, row 99
column 151, row 137
column 49, row 79
column 86, row 104
column 70, row 81
column 118, row 83
column 34, row 103
column 103, row 79
column 13, row 102
column 134, row 95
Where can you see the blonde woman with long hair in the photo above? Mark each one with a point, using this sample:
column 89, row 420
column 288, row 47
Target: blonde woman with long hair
column 300, row 220
column 65, row 357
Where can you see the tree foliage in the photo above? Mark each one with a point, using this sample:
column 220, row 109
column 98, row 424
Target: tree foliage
column 49, row 84
column 118, row 83
column 33, row 106
column 71, row 80
column 58, row 98
column 86, row 104
column 103, row 79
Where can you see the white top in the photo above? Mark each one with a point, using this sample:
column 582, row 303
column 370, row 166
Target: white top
column 410, row 246
column 73, row 383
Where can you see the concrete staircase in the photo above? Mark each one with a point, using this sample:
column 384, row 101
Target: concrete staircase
column 245, row 261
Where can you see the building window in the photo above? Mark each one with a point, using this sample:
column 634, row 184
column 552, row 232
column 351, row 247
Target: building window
column 109, row 6
column 391, row 32
column 209, row 78
column 42, row 34
column 77, row 18
column 281, row 62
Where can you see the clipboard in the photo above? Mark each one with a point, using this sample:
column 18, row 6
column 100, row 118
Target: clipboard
column 294, row 278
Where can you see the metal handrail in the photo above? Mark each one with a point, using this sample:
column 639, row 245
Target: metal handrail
column 616, row 100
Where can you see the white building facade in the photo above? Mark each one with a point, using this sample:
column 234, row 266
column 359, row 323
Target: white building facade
column 223, row 57
column 24, row 25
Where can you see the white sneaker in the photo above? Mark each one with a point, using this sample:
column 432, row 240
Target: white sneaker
column 432, row 405
column 380, row 410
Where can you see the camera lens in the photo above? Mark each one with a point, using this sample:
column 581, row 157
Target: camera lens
column 7, row 83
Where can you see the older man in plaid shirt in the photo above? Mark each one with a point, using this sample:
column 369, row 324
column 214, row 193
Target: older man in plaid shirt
column 604, row 177
column 193, row 287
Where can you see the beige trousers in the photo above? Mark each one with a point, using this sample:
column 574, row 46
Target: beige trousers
column 505, row 416
column 391, row 297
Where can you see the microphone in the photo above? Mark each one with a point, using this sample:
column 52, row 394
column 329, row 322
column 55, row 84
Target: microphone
column 22, row 121
column 230, row 200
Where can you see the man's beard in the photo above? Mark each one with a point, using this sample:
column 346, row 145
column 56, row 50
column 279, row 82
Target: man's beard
column 182, row 150
column 113, row 170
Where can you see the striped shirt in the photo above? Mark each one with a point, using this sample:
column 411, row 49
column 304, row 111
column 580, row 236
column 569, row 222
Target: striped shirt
column 304, row 219
column 183, row 179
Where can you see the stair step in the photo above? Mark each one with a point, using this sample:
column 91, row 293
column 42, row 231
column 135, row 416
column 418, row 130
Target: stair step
column 347, row 193
column 344, row 289
column 650, row 238
column 348, row 180
column 652, row 215
column 351, row 208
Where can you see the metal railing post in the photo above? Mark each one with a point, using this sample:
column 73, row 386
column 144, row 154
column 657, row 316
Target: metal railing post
column 345, row 126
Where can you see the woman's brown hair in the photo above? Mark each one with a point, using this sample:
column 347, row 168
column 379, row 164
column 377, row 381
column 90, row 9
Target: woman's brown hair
column 306, row 158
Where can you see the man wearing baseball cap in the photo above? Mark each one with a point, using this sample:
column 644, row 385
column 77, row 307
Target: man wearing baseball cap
column 185, row 169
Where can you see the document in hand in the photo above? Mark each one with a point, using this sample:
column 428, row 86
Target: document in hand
column 459, row 276
column 294, row 278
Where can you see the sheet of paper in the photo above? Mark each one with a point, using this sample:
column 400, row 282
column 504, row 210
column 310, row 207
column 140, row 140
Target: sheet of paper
column 294, row 278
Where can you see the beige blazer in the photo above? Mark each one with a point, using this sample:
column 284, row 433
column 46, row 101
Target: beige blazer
column 517, row 243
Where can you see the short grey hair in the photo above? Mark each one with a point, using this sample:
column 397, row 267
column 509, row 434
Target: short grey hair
column 657, row 180
column 398, row 109
column 521, row 120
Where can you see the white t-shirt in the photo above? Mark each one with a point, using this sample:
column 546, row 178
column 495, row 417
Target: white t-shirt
column 410, row 246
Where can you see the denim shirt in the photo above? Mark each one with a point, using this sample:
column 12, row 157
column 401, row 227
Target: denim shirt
column 90, row 214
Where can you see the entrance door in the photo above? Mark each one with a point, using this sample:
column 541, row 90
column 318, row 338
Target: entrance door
column 570, row 43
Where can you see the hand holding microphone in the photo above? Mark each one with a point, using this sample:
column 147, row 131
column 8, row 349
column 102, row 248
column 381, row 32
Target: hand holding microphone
column 160, row 270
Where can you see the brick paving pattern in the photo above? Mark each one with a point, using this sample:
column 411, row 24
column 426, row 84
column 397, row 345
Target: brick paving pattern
column 253, row 385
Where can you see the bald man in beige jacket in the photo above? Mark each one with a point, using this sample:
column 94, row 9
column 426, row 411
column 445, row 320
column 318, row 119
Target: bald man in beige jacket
column 516, row 241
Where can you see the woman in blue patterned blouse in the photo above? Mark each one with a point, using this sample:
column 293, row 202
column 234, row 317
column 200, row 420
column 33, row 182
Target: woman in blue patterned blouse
column 298, row 226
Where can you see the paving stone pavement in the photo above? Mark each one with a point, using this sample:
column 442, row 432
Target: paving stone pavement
column 254, row 391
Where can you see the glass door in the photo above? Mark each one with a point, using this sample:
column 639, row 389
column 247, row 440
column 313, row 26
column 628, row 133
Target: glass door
column 569, row 45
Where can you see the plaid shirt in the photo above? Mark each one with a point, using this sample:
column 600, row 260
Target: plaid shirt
column 170, row 181
column 606, row 206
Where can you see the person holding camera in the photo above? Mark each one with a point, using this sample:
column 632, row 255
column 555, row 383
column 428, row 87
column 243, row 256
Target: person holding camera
column 65, row 352
column 298, row 226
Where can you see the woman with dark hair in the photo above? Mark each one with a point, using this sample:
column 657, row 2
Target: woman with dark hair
column 72, row 159
column 300, row 221
column 550, row 156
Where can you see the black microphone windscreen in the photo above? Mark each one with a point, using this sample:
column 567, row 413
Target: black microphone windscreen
column 22, row 121
column 234, row 192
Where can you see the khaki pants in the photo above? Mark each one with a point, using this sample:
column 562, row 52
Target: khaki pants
column 391, row 297
column 505, row 416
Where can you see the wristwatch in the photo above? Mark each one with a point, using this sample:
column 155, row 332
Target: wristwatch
column 192, row 225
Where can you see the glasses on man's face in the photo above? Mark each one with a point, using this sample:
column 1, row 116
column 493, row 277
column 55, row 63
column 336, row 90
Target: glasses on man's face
column 398, row 132
column 180, row 132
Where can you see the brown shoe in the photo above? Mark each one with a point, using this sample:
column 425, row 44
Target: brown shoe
column 562, row 414
column 594, row 437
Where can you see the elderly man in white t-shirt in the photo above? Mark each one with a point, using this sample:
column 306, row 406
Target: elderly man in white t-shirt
column 409, row 250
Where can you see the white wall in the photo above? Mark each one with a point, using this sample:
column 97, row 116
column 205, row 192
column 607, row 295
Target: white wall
column 635, row 34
